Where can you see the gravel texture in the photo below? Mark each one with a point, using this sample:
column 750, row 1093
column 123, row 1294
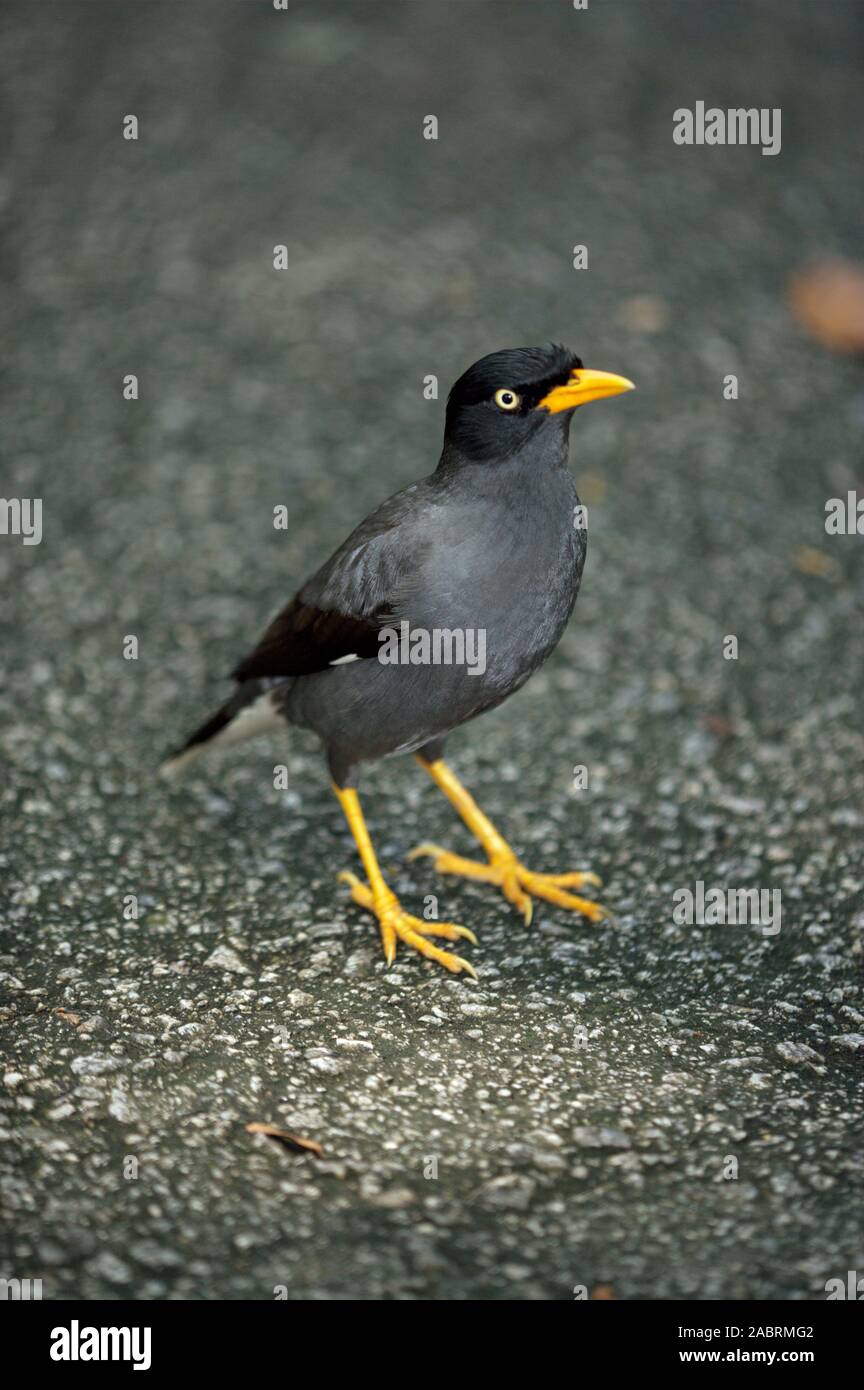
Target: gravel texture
column 573, row 1120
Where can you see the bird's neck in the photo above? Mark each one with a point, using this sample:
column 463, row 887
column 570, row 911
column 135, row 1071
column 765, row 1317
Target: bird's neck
column 542, row 455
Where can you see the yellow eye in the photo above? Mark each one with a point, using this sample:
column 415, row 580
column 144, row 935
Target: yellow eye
column 506, row 399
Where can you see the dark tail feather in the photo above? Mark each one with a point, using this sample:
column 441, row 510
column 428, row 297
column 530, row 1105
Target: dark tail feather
column 249, row 711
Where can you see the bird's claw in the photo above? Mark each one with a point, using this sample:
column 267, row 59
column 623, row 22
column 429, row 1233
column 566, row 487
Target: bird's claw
column 518, row 884
column 396, row 924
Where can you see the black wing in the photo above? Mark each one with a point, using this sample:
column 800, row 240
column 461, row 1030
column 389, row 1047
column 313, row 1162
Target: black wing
column 303, row 638
column 340, row 611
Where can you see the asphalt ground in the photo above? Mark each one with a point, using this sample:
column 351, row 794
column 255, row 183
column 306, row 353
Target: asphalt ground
column 643, row 1110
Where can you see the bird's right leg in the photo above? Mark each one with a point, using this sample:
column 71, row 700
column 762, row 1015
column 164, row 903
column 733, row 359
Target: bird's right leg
column 395, row 924
column 516, row 882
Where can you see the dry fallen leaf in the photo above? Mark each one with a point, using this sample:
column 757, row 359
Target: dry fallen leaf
column 721, row 726
column 809, row 560
column 291, row 1141
column 827, row 297
column 644, row 313
column 68, row 1017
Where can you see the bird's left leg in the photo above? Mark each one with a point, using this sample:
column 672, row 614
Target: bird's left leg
column 393, row 921
column 517, row 883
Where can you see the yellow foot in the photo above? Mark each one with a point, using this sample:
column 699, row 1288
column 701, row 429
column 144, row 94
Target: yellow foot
column 518, row 883
column 398, row 925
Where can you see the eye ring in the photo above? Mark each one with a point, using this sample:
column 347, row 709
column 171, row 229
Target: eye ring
column 505, row 399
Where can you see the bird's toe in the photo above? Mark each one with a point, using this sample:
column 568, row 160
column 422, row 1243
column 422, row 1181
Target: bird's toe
column 451, row 931
column 360, row 891
column 511, row 887
column 582, row 879
column 409, row 931
column 397, row 925
column 546, row 886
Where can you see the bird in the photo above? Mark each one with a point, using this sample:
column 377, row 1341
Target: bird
column 489, row 548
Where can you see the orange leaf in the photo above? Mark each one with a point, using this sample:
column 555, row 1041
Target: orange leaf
column 828, row 298
column 291, row 1141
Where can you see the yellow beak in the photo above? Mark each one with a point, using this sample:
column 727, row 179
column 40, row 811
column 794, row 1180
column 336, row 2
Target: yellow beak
column 584, row 386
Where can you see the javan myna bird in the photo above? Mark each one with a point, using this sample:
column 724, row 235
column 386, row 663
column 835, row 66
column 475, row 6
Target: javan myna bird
column 437, row 607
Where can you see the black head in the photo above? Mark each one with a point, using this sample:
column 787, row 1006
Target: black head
column 504, row 399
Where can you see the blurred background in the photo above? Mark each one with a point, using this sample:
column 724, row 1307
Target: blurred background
column 248, row 989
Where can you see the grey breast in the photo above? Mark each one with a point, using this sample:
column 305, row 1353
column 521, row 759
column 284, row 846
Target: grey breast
column 507, row 576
